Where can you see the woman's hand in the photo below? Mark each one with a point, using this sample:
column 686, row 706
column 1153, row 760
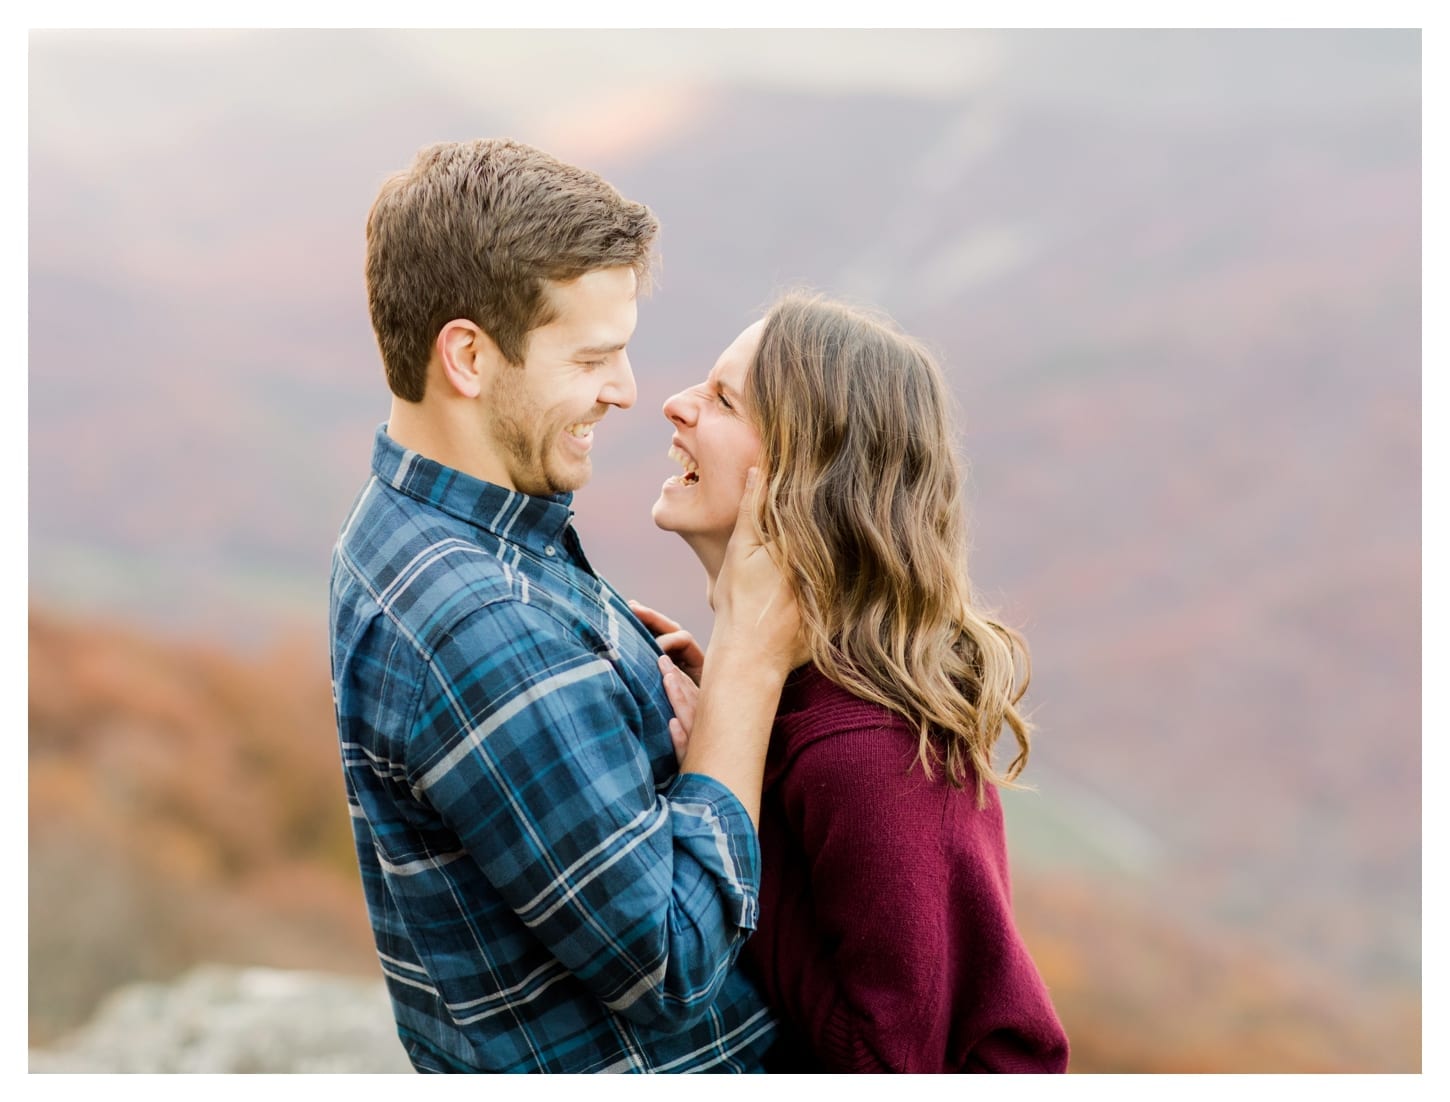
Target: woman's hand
column 674, row 640
column 755, row 643
column 683, row 693
column 757, row 618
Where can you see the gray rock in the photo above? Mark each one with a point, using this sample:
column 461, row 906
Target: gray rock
column 223, row 1019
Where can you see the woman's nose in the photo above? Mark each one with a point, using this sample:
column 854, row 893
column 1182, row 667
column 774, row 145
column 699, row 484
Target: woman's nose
column 680, row 408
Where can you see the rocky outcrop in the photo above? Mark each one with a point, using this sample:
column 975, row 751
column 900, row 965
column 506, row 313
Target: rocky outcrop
column 222, row 1019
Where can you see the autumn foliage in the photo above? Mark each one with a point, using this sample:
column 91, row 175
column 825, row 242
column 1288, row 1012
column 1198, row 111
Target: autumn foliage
column 186, row 805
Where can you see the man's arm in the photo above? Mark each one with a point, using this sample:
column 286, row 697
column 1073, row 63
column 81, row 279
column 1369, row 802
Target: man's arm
column 522, row 744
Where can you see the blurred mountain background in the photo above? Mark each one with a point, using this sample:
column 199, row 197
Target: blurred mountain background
column 1173, row 276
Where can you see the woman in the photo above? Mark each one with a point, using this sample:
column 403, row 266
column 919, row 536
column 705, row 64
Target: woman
column 886, row 939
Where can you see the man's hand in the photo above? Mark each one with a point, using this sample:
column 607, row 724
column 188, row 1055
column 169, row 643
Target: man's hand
column 674, row 640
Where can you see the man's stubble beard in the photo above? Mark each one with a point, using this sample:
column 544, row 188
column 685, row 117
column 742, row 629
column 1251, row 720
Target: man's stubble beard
column 516, row 423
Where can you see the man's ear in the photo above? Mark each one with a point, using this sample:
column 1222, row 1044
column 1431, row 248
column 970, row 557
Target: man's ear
column 466, row 356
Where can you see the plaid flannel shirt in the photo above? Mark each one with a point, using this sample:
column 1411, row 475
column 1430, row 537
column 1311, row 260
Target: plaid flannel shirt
column 546, row 892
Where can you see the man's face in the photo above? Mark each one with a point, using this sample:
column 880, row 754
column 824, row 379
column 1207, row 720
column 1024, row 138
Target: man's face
column 541, row 416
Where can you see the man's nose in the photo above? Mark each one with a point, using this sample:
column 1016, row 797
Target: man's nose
column 620, row 390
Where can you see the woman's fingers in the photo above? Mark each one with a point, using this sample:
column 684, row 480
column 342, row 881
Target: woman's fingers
column 682, row 694
column 674, row 640
column 657, row 622
column 753, row 601
column 680, row 740
column 685, row 652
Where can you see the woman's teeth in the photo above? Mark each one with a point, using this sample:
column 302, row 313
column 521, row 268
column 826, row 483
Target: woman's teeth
column 692, row 469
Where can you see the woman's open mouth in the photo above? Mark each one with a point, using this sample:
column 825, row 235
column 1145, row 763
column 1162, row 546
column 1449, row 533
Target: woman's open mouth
column 691, row 474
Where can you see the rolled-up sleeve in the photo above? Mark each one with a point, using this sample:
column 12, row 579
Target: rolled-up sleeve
column 527, row 746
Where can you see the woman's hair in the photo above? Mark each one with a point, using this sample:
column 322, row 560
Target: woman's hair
column 864, row 505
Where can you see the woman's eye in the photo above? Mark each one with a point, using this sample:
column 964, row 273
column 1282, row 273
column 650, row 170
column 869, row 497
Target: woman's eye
column 724, row 401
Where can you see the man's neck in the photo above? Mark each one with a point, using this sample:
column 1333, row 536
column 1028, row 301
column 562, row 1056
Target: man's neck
column 434, row 434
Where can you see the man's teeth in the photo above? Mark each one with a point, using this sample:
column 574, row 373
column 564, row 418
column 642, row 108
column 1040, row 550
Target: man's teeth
column 583, row 428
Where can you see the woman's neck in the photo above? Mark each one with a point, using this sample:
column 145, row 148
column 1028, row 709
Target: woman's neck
column 712, row 557
column 712, row 573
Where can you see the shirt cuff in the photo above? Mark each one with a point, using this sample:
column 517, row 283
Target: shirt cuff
column 713, row 826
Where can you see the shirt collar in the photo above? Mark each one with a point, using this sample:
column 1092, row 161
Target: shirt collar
column 533, row 521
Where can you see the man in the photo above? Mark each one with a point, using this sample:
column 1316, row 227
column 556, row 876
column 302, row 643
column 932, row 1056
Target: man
column 547, row 892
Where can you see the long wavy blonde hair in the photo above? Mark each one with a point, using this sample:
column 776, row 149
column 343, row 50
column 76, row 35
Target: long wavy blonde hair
column 864, row 503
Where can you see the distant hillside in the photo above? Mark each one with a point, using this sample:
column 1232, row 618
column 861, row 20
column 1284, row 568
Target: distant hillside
column 190, row 801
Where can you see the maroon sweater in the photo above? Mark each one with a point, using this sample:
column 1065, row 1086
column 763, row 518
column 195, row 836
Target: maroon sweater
column 886, row 940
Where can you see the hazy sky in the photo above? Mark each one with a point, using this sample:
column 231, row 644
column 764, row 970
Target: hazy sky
column 174, row 78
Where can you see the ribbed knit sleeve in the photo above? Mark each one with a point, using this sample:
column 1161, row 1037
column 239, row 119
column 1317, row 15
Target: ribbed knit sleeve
column 886, row 938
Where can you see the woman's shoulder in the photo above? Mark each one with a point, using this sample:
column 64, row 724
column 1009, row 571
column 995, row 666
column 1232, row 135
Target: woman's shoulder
column 812, row 706
column 828, row 727
column 829, row 735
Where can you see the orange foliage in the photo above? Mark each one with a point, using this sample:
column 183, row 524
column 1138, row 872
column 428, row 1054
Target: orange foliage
column 1140, row 992
column 185, row 805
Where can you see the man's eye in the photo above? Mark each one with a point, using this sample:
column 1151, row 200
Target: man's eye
column 593, row 363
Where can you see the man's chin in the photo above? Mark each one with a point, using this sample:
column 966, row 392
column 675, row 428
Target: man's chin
column 567, row 480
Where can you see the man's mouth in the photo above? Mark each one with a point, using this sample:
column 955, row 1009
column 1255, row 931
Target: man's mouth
column 584, row 430
column 692, row 469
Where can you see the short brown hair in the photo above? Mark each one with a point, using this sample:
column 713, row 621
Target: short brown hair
column 474, row 230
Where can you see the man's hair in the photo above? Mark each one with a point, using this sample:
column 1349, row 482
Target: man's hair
column 476, row 230
column 865, row 512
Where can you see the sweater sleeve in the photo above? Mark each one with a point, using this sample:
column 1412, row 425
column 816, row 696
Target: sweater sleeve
column 906, row 957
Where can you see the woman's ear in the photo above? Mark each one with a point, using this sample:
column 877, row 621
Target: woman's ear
column 467, row 357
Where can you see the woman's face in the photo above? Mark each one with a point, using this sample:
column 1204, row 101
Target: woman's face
column 716, row 443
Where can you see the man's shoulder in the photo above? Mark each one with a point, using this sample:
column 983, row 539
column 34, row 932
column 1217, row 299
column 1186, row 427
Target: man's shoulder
column 419, row 569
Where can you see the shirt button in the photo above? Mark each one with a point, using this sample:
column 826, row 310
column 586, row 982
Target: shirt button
column 549, row 550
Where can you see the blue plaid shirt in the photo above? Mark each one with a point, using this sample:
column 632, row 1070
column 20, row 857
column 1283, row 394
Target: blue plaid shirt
column 546, row 892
